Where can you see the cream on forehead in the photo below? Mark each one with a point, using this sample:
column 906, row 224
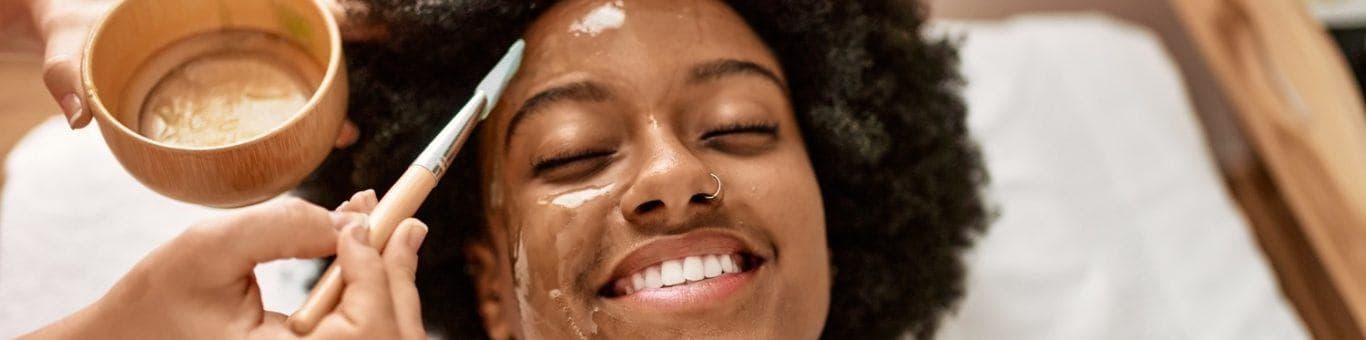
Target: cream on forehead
column 606, row 17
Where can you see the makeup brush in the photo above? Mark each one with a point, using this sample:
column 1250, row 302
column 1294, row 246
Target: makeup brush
column 407, row 194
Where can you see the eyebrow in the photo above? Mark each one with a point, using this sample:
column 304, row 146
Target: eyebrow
column 722, row 68
column 595, row 92
column 582, row 91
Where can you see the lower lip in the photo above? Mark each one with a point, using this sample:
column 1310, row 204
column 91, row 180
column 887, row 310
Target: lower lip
column 692, row 296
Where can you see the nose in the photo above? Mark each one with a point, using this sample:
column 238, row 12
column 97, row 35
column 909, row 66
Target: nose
column 671, row 187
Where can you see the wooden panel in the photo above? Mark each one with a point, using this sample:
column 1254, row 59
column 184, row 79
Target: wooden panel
column 1303, row 115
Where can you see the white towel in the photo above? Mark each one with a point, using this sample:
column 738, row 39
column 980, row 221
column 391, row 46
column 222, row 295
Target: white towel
column 1114, row 223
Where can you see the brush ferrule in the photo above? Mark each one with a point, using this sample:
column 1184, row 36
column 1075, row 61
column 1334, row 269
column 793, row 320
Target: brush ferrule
column 438, row 155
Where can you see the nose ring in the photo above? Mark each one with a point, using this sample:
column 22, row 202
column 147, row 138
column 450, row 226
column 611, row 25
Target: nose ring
column 718, row 187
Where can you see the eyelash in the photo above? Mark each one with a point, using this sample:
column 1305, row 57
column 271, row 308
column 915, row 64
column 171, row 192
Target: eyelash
column 752, row 127
column 548, row 163
column 551, row 162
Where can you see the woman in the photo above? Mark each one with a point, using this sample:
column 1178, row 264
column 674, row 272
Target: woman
column 830, row 134
column 784, row 169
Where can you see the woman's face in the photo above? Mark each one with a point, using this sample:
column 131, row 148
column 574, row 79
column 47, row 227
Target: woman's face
column 600, row 160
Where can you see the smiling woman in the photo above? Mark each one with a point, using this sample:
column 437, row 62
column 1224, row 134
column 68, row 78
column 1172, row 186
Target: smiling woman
column 787, row 169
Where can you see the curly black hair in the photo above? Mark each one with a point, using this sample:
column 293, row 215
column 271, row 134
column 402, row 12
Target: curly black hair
column 877, row 104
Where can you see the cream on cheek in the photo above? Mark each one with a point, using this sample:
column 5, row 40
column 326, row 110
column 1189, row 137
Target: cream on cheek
column 568, row 221
column 575, row 198
column 521, row 275
column 521, row 270
column 530, row 275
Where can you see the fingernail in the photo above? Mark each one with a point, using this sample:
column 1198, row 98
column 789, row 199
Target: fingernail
column 417, row 235
column 361, row 234
column 71, row 104
column 366, row 195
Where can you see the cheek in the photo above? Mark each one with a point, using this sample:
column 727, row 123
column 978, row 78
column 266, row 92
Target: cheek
column 559, row 231
column 782, row 190
column 784, row 195
column 535, row 272
column 551, row 229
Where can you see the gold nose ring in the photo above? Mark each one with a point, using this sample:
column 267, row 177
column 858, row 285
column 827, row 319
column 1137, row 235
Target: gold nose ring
column 718, row 187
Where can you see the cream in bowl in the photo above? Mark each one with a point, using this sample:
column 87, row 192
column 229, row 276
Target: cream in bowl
column 246, row 84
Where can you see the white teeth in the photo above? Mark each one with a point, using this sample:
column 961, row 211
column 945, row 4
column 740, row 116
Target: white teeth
column 671, row 272
column 692, row 268
column 678, row 271
column 711, row 267
column 638, row 281
column 652, row 280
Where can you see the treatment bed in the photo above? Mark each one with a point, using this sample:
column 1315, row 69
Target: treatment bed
column 1128, row 206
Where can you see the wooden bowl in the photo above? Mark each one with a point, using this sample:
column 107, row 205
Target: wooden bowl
column 135, row 39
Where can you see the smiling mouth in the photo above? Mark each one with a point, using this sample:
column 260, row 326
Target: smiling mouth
column 693, row 271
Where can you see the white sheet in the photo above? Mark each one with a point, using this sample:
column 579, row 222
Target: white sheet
column 72, row 222
column 1113, row 222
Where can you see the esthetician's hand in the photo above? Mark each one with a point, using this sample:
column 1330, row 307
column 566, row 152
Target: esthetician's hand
column 200, row 284
column 61, row 26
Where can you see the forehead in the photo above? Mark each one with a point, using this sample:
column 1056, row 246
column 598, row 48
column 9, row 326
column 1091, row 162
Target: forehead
column 635, row 41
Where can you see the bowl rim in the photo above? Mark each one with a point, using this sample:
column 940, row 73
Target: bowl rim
column 92, row 99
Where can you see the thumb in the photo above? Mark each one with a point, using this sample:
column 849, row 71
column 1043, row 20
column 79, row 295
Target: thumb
column 62, row 75
column 366, row 298
column 64, row 27
column 400, row 260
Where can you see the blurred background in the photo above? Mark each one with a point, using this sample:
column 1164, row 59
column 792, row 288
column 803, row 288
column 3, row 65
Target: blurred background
column 1184, row 169
column 1230, row 56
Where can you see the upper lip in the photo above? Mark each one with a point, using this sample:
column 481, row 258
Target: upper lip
column 700, row 242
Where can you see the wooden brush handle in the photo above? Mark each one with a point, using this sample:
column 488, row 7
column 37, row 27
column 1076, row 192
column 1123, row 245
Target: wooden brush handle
column 400, row 203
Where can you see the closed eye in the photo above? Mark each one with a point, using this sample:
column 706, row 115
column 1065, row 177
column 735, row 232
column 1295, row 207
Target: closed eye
column 742, row 138
column 741, row 128
column 542, row 165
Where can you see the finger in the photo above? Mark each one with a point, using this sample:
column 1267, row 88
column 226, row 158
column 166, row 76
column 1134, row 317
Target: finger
column 366, row 296
column 400, row 260
column 361, row 202
column 348, row 135
column 230, row 247
column 365, row 200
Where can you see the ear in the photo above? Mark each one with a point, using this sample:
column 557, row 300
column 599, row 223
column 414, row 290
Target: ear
column 489, row 285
